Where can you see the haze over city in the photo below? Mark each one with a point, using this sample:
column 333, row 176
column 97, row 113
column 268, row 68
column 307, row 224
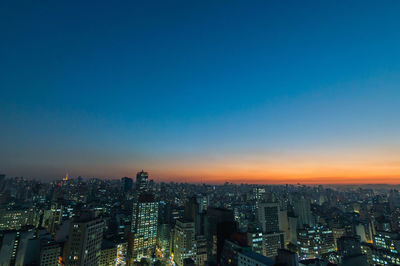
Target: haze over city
column 269, row 92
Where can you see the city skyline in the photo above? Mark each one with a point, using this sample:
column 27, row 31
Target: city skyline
column 266, row 93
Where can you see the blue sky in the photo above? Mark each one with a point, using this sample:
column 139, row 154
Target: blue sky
column 107, row 88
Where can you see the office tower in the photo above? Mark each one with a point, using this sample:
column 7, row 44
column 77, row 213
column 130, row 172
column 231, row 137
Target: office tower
column 337, row 233
column 85, row 239
column 127, row 184
column 192, row 212
column 284, row 223
column 142, row 182
column 201, row 250
column 255, row 241
column 230, row 252
column 203, row 202
column 52, row 218
column 143, row 239
column 50, row 253
column 292, row 223
column 268, row 215
column 302, row 209
column 108, row 255
column 184, row 241
column 388, row 241
column 219, row 225
column 163, row 241
column 349, row 250
column 314, row 242
column 272, row 242
column 14, row 219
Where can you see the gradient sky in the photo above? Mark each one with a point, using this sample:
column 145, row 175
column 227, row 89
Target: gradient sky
column 213, row 91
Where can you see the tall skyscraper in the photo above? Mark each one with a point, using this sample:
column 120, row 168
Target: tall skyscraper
column 184, row 241
column 142, row 182
column 84, row 243
column 143, row 238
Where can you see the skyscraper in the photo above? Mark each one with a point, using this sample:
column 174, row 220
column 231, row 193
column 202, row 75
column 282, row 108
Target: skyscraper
column 143, row 238
column 127, row 184
column 84, row 243
column 269, row 219
column 142, row 182
column 184, row 241
column 302, row 210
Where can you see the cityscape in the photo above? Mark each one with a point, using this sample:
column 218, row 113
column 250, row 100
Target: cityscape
column 136, row 221
column 199, row 133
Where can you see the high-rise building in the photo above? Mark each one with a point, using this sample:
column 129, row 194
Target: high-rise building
column 272, row 242
column 315, row 241
column 50, row 254
column 349, row 250
column 14, row 219
column 108, row 255
column 302, row 209
column 163, row 241
column 142, row 182
column 255, row 241
column 219, row 225
column 143, row 238
column 201, row 250
column 127, row 184
column 184, row 241
column 84, row 242
column 269, row 219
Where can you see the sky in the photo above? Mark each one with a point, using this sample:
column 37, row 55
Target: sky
column 201, row 91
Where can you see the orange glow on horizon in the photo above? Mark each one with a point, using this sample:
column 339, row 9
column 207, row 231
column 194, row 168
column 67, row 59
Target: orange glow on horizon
column 350, row 169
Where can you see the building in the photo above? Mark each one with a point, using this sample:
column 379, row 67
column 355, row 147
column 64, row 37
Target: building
column 219, row 225
column 53, row 218
column 302, row 209
column 164, row 234
column 272, row 242
column 349, row 251
column 230, row 252
column 142, row 182
column 143, row 237
column 184, row 241
column 108, row 255
column 286, row 258
column 388, row 241
column 268, row 215
column 13, row 247
column 84, row 242
column 127, row 184
column 314, row 242
column 122, row 251
column 201, row 250
column 16, row 218
column 251, row 258
column 255, row 240
column 50, row 254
